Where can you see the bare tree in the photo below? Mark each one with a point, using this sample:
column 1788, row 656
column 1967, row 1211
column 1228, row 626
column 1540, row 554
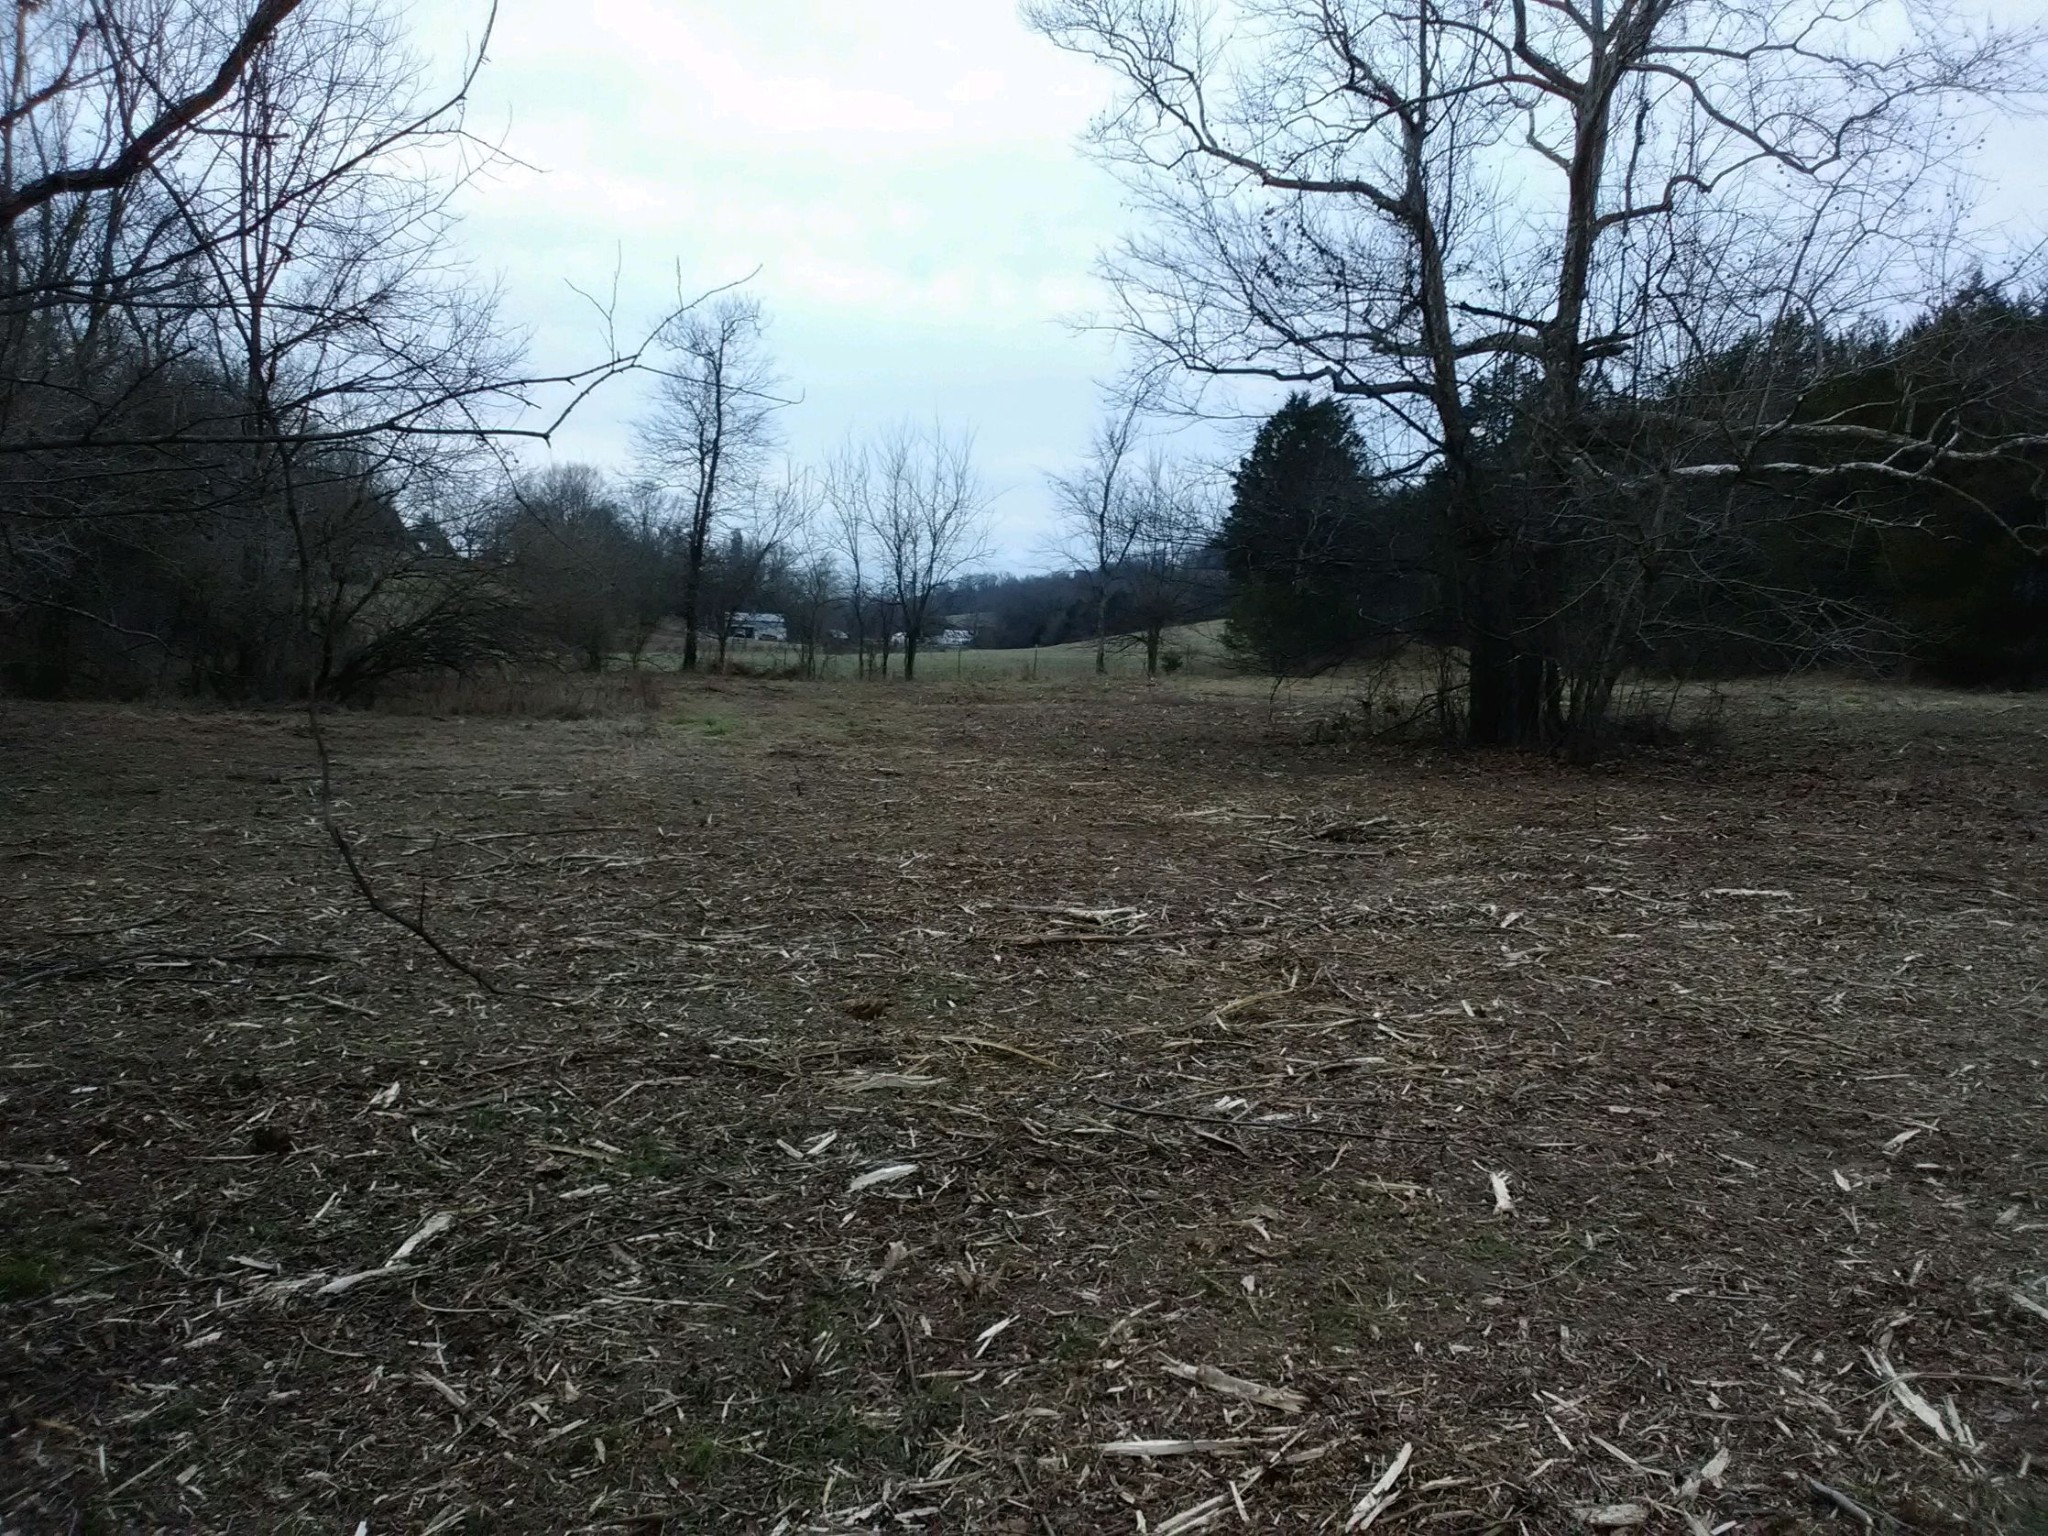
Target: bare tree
column 235, row 344
column 1098, row 512
column 816, row 583
column 1441, row 205
column 587, row 565
column 711, row 424
column 230, row 319
column 1172, row 522
column 848, row 537
column 107, row 91
column 333, row 301
column 651, row 522
column 926, row 513
column 131, row 179
column 759, row 552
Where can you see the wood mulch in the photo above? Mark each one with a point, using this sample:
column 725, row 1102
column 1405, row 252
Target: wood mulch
column 1018, row 1110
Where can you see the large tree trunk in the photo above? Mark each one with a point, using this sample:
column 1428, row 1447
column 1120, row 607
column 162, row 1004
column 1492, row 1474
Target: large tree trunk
column 1506, row 677
column 1508, row 694
column 1490, row 696
column 1102, row 628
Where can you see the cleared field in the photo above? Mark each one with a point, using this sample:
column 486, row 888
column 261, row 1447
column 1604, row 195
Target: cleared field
column 996, row 1108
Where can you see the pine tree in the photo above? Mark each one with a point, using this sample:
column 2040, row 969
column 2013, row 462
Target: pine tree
column 1308, row 544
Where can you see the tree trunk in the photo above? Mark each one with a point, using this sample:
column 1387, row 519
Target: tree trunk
column 1489, row 701
column 1505, row 703
column 693, row 581
column 1589, row 715
column 1102, row 628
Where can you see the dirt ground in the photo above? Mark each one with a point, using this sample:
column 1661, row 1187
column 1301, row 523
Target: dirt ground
column 995, row 1109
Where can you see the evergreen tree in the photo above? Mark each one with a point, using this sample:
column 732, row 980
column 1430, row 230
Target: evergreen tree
column 1318, row 573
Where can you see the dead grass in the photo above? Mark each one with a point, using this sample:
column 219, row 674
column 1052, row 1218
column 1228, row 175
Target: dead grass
column 535, row 694
column 985, row 1108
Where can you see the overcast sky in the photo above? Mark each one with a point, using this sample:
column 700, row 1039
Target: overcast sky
column 903, row 173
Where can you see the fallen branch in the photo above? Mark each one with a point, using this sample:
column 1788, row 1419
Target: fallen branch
column 984, row 1043
column 1842, row 1502
column 1285, row 1399
column 323, row 797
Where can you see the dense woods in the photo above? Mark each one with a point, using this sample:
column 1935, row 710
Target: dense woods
column 1935, row 558
column 245, row 382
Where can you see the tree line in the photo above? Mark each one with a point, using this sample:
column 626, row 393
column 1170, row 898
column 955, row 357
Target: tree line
column 1635, row 311
column 1617, row 291
column 1335, row 556
column 258, row 423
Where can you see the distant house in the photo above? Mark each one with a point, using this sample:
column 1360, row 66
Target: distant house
column 759, row 626
column 944, row 640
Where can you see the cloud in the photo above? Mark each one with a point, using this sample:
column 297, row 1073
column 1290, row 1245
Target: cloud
column 977, row 86
column 903, row 175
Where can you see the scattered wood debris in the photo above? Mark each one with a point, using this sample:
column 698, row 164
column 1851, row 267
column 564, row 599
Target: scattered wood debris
column 1285, row 1399
column 1634, row 1149
column 1380, row 1497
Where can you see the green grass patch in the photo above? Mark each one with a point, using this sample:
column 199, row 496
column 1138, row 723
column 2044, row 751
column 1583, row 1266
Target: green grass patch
column 25, row 1276
column 648, row 1158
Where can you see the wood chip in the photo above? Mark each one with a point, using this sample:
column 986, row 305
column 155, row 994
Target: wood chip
column 1625, row 1459
column 1285, row 1399
column 875, row 1082
column 981, row 1042
column 2028, row 1304
column 1907, row 1397
column 1198, row 1517
column 884, row 1175
column 1893, row 1147
column 430, row 1229
column 343, row 1283
column 1841, row 1501
column 1613, row 1517
column 990, row 1334
column 1716, row 1465
column 1380, row 1497
column 1148, row 1448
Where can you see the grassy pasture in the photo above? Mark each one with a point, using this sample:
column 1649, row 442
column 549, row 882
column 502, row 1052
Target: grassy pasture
column 1200, row 647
